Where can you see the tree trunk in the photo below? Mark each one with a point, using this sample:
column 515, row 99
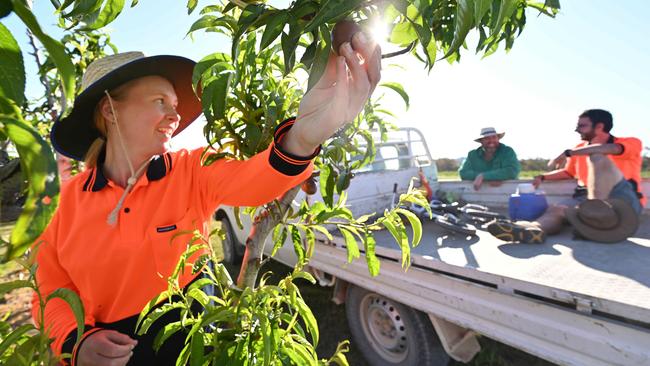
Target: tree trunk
column 264, row 223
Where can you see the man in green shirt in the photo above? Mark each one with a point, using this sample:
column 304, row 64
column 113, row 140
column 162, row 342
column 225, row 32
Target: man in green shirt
column 492, row 161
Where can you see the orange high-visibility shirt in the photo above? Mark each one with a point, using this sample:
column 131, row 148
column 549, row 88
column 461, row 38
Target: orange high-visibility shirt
column 117, row 270
column 629, row 162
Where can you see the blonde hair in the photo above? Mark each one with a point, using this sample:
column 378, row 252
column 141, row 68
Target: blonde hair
column 100, row 123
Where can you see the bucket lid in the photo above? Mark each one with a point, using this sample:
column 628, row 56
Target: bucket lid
column 523, row 188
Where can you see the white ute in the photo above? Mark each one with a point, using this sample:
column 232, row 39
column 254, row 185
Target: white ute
column 569, row 302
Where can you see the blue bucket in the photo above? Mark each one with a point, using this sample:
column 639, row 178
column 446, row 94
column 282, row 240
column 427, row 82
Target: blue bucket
column 527, row 206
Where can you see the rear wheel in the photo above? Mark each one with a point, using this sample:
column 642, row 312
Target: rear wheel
column 389, row 333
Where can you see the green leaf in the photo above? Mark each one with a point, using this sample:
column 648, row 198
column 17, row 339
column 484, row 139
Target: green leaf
column 223, row 316
column 311, row 242
column 310, row 52
column 321, row 58
column 305, row 276
column 12, row 68
column 279, row 236
column 399, row 89
column 399, row 233
column 249, row 15
column 463, row 22
column 191, row 5
column 323, row 231
column 215, row 94
column 199, row 295
column 351, row 244
column 6, row 287
column 289, row 43
column 403, row 34
column 153, row 302
column 416, row 225
column 167, row 331
column 337, row 212
column 206, row 21
column 267, row 339
column 5, row 8
column 14, row 337
column 327, row 182
column 207, row 63
column 371, row 258
column 310, row 321
column 273, row 28
column 343, row 182
column 197, row 356
column 111, row 10
column 82, row 7
column 156, row 314
column 331, row 10
column 73, row 300
column 481, row 7
column 38, row 164
column 66, row 69
column 506, row 10
column 296, row 238
column 555, row 4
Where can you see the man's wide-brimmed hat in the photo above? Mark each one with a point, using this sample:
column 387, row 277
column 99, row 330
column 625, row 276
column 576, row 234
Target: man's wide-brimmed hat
column 489, row 131
column 73, row 134
column 607, row 221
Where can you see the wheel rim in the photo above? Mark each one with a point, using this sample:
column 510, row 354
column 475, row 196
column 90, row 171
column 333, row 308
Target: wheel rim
column 384, row 327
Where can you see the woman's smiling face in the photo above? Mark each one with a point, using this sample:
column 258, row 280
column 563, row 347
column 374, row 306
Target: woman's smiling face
column 147, row 116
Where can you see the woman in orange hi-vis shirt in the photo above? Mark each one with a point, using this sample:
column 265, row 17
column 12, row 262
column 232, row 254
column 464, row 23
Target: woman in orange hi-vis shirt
column 109, row 240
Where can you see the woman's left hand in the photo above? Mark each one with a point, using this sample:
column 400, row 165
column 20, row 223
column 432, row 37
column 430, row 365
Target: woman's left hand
column 338, row 97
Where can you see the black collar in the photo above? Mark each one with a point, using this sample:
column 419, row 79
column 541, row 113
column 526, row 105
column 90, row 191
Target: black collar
column 157, row 169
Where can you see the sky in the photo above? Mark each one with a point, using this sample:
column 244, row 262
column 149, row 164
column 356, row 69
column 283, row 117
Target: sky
column 594, row 54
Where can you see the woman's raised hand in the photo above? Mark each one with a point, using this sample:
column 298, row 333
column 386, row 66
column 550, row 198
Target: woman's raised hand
column 338, row 97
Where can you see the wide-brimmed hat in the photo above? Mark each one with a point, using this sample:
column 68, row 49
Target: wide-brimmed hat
column 73, row 134
column 607, row 221
column 489, row 131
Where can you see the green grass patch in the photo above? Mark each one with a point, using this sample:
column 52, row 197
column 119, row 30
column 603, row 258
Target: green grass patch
column 526, row 174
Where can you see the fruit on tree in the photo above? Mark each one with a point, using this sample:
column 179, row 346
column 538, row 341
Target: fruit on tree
column 343, row 32
column 309, row 186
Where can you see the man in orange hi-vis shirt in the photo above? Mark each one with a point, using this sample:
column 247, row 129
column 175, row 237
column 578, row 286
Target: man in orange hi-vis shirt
column 113, row 237
column 608, row 170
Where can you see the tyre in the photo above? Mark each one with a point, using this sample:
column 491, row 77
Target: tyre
column 389, row 333
column 231, row 254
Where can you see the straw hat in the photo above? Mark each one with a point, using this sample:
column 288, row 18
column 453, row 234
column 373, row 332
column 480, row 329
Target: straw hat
column 489, row 131
column 73, row 134
column 607, row 221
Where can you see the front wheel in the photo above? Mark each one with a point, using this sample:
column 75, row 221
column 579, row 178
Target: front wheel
column 389, row 333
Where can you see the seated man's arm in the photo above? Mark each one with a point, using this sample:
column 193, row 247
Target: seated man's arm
column 559, row 174
column 607, row 149
column 466, row 170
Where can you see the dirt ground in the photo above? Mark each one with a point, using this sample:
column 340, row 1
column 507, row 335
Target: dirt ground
column 17, row 304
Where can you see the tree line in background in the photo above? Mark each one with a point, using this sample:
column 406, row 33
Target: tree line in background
column 452, row 165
